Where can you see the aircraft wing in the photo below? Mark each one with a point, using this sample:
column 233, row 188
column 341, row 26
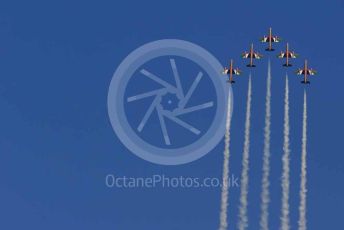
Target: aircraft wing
column 264, row 39
column 293, row 55
column 300, row 72
column 257, row 56
column 225, row 70
column 236, row 71
column 276, row 39
column 282, row 55
column 312, row 72
column 245, row 55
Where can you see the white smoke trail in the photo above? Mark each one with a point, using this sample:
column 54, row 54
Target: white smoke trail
column 265, row 195
column 285, row 225
column 243, row 218
column 225, row 187
column 303, row 189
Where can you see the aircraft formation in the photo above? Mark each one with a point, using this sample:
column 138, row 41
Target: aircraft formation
column 287, row 54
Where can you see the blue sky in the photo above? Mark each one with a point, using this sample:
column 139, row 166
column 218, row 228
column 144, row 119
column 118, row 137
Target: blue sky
column 57, row 144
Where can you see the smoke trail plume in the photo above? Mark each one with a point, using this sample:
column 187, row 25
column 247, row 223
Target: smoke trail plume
column 243, row 219
column 285, row 225
column 303, row 189
column 225, row 187
column 265, row 195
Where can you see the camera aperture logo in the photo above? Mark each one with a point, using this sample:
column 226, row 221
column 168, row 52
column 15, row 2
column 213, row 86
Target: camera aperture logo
column 167, row 102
